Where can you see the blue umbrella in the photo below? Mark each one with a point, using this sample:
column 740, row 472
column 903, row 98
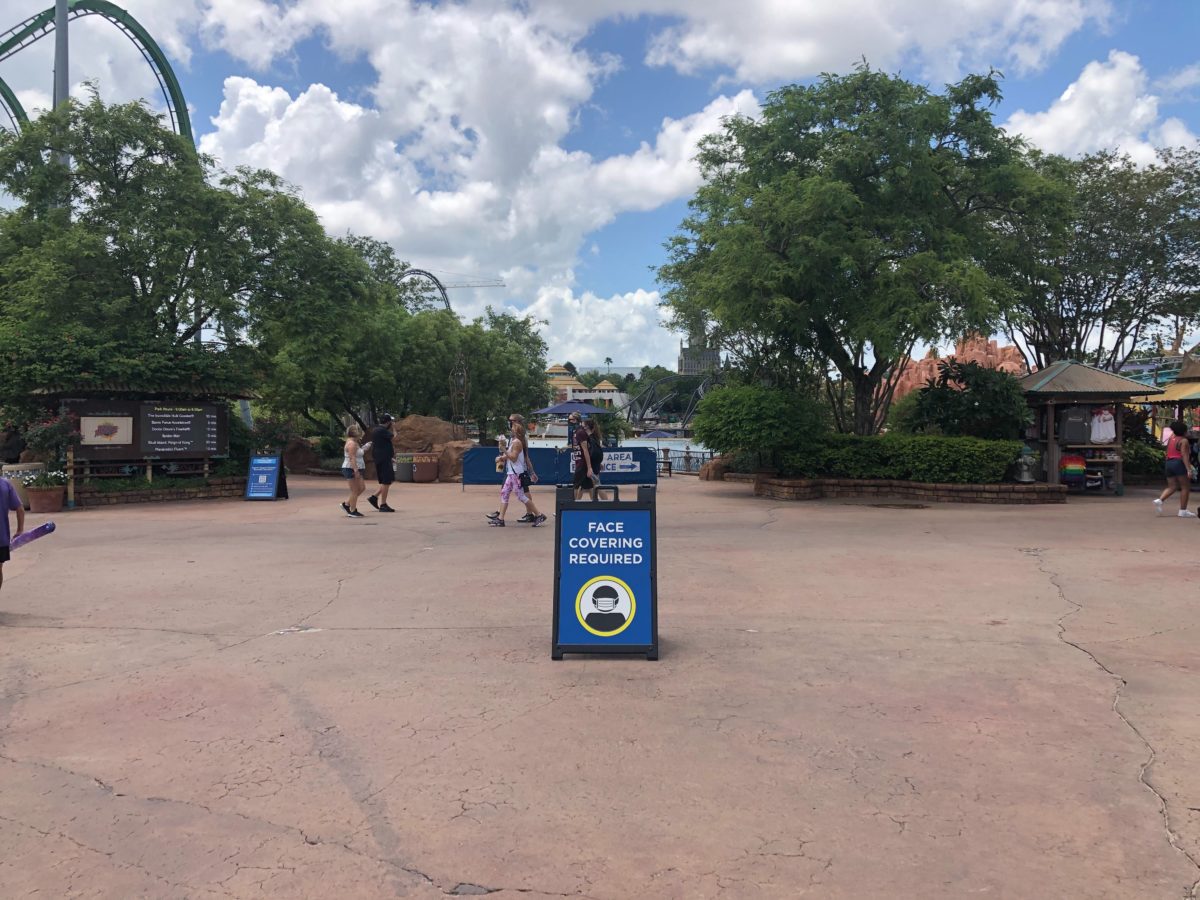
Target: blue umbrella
column 570, row 406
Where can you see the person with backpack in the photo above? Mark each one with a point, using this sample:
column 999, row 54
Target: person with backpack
column 1178, row 470
column 519, row 475
column 587, row 465
column 595, row 451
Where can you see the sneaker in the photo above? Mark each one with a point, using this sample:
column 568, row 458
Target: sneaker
column 494, row 515
column 528, row 517
column 497, row 522
column 345, row 507
column 374, row 501
column 385, row 508
column 1158, row 510
column 538, row 521
column 355, row 514
column 1187, row 514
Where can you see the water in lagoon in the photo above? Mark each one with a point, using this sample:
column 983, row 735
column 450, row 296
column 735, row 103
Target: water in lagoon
column 674, row 444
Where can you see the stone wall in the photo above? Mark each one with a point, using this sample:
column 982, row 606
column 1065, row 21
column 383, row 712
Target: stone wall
column 229, row 487
column 820, row 488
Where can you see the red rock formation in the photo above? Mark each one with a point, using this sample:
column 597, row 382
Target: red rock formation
column 974, row 349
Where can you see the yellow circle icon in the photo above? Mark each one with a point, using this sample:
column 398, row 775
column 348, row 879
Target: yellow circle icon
column 605, row 606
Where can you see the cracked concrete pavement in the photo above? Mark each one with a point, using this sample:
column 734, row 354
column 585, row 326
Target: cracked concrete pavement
column 227, row 699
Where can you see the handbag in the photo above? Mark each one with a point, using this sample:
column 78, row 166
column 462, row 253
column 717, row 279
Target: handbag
column 525, row 480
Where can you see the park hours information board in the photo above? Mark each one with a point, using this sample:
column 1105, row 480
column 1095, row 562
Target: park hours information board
column 181, row 430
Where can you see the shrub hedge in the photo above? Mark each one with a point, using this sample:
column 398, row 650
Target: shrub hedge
column 903, row 457
column 1142, row 458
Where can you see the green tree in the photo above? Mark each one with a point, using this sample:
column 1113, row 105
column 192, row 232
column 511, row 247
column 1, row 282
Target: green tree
column 506, row 355
column 121, row 284
column 1106, row 255
column 845, row 225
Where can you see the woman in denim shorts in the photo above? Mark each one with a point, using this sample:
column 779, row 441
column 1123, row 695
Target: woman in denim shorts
column 1178, row 471
column 354, row 469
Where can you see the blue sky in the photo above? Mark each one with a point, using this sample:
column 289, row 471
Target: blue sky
column 549, row 142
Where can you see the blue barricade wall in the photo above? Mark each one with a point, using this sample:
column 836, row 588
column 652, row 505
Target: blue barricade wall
column 479, row 465
column 635, row 465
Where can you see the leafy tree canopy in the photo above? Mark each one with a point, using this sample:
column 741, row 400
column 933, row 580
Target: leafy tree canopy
column 844, row 225
column 1105, row 256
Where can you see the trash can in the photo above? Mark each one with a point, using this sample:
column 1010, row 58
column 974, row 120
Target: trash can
column 425, row 467
column 404, row 467
column 14, row 471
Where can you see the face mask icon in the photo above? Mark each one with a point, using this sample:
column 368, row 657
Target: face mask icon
column 605, row 598
column 605, row 607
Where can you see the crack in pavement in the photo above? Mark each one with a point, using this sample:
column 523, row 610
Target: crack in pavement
column 1037, row 553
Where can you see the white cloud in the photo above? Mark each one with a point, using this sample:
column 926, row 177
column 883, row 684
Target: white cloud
column 585, row 327
column 770, row 40
column 1179, row 82
column 529, row 221
column 1108, row 107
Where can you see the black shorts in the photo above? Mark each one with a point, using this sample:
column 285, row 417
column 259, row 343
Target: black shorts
column 5, row 554
column 581, row 475
column 385, row 471
column 1176, row 469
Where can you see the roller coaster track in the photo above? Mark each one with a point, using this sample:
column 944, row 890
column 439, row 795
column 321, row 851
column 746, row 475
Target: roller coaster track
column 12, row 107
column 441, row 288
column 37, row 27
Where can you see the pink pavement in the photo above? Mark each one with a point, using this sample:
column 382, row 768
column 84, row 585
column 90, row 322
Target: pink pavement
column 229, row 699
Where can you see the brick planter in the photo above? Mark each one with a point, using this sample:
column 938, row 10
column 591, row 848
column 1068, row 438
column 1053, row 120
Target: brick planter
column 226, row 488
column 819, row 488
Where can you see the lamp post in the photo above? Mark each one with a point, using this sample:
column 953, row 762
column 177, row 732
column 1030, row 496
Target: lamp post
column 460, row 392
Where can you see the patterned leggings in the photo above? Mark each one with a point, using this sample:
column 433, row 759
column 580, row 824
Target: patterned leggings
column 513, row 483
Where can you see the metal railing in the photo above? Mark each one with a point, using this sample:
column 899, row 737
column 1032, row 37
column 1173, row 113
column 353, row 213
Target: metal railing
column 688, row 461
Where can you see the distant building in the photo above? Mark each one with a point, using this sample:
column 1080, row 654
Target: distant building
column 567, row 387
column 698, row 358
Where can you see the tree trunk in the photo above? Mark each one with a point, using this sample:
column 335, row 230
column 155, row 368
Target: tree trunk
column 866, row 419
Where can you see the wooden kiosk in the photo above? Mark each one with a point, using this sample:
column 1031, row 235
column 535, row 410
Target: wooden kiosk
column 1064, row 393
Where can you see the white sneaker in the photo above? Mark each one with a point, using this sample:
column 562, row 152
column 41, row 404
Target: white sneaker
column 1158, row 510
column 1187, row 514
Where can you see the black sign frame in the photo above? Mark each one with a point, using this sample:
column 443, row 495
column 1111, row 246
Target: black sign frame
column 565, row 500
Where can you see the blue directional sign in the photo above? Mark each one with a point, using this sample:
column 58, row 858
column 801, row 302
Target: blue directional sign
column 605, row 576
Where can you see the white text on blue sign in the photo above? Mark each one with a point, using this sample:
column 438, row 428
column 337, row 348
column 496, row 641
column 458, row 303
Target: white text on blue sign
column 605, row 543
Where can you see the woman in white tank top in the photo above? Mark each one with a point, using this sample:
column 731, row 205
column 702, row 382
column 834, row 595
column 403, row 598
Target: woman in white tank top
column 354, row 469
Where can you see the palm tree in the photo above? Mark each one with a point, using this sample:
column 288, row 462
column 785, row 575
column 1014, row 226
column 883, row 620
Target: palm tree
column 608, row 362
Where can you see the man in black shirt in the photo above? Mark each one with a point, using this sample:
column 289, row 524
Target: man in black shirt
column 383, row 453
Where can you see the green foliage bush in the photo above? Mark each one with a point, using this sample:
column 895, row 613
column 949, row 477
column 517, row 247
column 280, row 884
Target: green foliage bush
column 902, row 414
column 241, row 441
column 972, row 400
column 330, row 445
column 1142, row 458
column 764, row 421
column 930, row 459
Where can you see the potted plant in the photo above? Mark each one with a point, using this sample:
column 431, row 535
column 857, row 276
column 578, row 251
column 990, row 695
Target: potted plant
column 46, row 490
